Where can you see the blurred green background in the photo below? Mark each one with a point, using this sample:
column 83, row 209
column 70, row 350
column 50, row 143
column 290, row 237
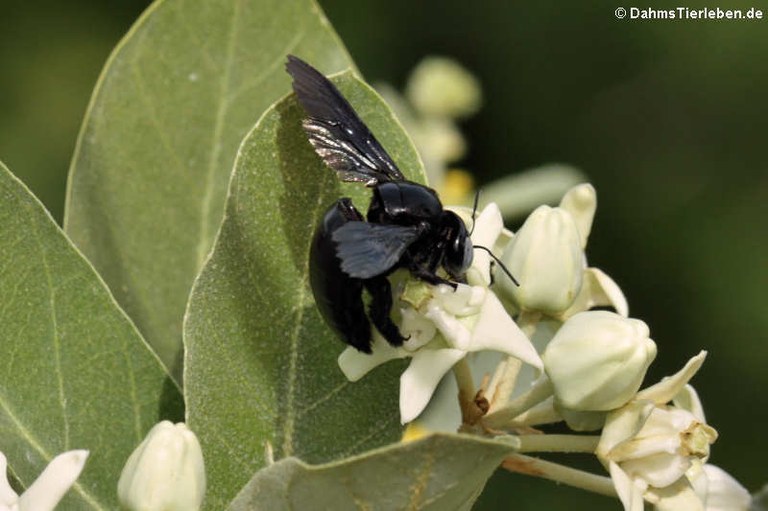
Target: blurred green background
column 667, row 118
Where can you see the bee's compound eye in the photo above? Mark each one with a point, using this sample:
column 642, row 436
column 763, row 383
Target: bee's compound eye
column 458, row 255
column 468, row 253
column 458, row 245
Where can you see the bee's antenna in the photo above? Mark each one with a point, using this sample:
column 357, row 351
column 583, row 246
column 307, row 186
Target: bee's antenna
column 474, row 210
column 498, row 261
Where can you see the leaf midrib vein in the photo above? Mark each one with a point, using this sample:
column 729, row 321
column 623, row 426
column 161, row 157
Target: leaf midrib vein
column 221, row 112
column 56, row 340
column 291, row 412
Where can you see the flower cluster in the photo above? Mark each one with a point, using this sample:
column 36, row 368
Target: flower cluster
column 588, row 365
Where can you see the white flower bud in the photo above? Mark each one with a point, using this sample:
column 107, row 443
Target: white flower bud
column 581, row 202
column 165, row 472
column 597, row 360
column 546, row 257
column 441, row 87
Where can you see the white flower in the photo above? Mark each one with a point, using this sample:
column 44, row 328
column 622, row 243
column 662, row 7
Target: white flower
column 648, row 447
column 443, row 325
column 597, row 360
column 488, row 227
column 547, row 256
column 48, row 489
column 165, row 472
column 442, row 331
column 714, row 487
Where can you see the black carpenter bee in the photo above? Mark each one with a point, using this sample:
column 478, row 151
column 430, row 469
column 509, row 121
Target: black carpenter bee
column 405, row 227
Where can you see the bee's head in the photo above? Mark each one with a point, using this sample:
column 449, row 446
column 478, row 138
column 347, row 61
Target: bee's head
column 458, row 245
column 459, row 248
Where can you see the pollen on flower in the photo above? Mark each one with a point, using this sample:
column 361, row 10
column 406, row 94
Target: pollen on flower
column 414, row 431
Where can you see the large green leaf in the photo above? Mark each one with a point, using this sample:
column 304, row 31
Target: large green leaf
column 75, row 373
column 439, row 473
column 150, row 172
column 261, row 364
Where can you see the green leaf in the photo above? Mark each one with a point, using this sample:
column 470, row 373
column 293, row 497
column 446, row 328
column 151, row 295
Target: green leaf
column 149, row 176
column 75, row 372
column 440, row 473
column 261, row 364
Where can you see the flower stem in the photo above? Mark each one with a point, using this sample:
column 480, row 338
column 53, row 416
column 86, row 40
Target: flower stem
column 505, row 377
column 542, row 413
column 503, row 382
column 540, row 391
column 559, row 473
column 470, row 411
column 558, row 443
column 464, row 379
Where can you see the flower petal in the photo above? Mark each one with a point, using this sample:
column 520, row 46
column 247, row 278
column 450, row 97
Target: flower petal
column 488, row 227
column 630, row 492
column 355, row 364
column 621, row 425
column 496, row 331
column 605, row 291
column 454, row 331
column 666, row 390
column 688, row 399
column 598, row 290
column 675, row 497
column 581, row 202
column 8, row 497
column 49, row 488
column 724, row 493
column 463, row 301
column 416, row 328
column 419, row 381
column 659, row 470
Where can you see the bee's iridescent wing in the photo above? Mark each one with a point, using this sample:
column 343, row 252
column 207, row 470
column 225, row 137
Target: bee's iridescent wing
column 336, row 132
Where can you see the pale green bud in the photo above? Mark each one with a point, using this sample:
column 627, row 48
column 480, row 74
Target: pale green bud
column 441, row 87
column 581, row 202
column 546, row 257
column 597, row 360
column 165, row 472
